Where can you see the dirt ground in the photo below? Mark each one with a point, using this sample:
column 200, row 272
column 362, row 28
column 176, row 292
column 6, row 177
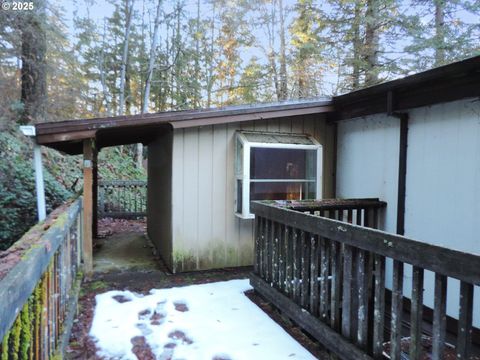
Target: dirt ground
column 142, row 280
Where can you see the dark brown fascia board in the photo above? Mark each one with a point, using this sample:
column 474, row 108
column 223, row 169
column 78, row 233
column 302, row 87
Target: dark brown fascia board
column 182, row 119
column 451, row 82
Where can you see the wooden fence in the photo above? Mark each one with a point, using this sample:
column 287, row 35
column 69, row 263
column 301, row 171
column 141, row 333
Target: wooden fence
column 38, row 295
column 323, row 266
column 124, row 199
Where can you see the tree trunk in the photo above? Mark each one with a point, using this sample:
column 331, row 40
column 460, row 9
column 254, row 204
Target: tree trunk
column 148, row 80
column 128, row 25
column 210, row 65
column 283, row 57
column 34, row 66
column 196, row 99
column 439, row 32
column 357, row 45
column 371, row 43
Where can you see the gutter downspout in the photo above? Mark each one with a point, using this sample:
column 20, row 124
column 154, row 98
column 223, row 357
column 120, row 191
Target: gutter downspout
column 37, row 164
column 402, row 162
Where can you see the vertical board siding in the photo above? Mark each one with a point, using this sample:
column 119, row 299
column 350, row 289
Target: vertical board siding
column 205, row 231
column 443, row 172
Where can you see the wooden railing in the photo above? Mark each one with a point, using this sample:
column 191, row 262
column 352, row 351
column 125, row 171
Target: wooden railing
column 38, row 294
column 124, row 199
column 328, row 275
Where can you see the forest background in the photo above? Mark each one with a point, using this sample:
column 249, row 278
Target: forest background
column 86, row 58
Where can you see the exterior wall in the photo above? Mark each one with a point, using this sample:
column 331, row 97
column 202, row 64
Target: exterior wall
column 443, row 178
column 159, row 199
column 206, row 233
column 367, row 162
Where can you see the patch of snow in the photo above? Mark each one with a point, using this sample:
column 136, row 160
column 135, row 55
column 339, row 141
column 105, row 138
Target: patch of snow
column 220, row 323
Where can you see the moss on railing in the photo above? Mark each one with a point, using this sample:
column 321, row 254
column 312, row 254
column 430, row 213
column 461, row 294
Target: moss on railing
column 37, row 292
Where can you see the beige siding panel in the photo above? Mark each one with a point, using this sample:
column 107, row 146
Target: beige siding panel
column 207, row 234
column 205, row 198
column 218, row 222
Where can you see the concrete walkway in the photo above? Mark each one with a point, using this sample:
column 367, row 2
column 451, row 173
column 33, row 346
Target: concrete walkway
column 129, row 251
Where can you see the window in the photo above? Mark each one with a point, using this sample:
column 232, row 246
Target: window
column 275, row 166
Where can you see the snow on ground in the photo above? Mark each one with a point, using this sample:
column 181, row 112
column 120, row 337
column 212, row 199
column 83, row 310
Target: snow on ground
column 209, row 321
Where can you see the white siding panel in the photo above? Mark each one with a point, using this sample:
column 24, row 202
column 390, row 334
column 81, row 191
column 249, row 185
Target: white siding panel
column 367, row 162
column 443, row 183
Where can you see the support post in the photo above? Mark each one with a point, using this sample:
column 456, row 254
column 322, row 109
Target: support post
column 39, row 185
column 95, row 193
column 88, row 149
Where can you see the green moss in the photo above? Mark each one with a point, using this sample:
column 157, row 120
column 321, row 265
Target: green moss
column 26, row 333
column 4, row 355
column 97, row 285
column 14, row 340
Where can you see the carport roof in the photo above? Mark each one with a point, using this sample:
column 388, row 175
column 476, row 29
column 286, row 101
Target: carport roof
column 67, row 136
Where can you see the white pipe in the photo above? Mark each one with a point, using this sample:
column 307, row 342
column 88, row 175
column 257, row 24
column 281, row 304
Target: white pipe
column 39, row 185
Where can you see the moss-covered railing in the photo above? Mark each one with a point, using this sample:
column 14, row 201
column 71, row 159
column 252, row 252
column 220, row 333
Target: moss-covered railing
column 39, row 291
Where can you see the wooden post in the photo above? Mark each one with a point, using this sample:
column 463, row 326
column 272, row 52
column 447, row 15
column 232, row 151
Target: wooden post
column 88, row 148
column 95, row 192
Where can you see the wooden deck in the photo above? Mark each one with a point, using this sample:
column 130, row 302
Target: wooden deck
column 323, row 265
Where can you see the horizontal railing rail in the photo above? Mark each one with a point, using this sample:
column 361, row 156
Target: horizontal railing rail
column 38, row 294
column 124, row 199
column 329, row 275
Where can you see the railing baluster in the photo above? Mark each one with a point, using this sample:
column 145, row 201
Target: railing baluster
column 363, row 275
column 439, row 317
column 296, row 266
column 305, row 243
column 281, row 257
column 416, row 313
column 274, row 253
column 261, row 246
column 267, row 250
column 397, row 308
column 336, row 283
column 347, row 291
column 288, row 261
column 465, row 321
column 314, row 273
column 257, row 235
column 324, row 273
column 379, row 307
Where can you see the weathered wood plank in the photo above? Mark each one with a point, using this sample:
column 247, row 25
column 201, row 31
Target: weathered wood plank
column 347, row 291
column 305, row 286
column 320, row 331
column 314, row 274
column 296, row 265
column 324, row 283
column 336, row 285
column 397, row 308
column 379, row 307
column 256, row 245
column 464, row 338
column 288, row 261
column 457, row 264
column 363, row 275
column 416, row 313
column 439, row 317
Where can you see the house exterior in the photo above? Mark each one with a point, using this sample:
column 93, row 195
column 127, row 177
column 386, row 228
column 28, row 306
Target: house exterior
column 412, row 142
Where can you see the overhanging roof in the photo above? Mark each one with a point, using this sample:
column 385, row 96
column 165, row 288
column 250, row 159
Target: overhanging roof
column 451, row 82
column 67, row 136
column 459, row 80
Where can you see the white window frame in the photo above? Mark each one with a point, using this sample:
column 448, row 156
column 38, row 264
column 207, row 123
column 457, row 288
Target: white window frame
column 245, row 177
